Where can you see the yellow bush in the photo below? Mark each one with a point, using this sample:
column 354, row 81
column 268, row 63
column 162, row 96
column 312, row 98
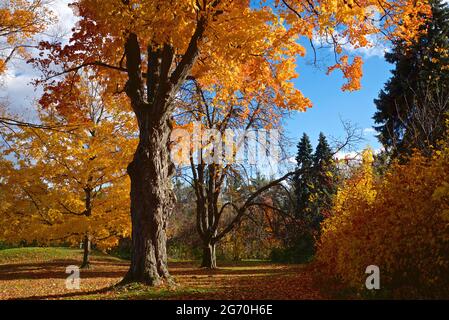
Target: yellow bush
column 399, row 223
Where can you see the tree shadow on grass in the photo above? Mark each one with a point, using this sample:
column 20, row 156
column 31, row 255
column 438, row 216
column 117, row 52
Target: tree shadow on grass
column 231, row 269
column 56, row 270
column 68, row 295
column 246, row 280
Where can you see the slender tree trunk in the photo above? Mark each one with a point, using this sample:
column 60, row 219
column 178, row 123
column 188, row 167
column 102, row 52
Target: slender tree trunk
column 209, row 257
column 87, row 213
column 86, row 252
column 152, row 201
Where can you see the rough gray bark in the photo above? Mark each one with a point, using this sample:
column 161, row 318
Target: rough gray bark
column 152, row 201
column 151, row 170
column 209, row 257
column 207, row 190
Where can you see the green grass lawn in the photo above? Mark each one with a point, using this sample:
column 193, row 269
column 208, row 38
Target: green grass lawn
column 41, row 254
column 37, row 254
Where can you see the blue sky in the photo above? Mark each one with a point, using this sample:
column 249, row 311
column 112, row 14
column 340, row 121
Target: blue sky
column 330, row 104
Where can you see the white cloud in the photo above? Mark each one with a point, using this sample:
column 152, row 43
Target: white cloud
column 16, row 87
column 20, row 93
column 66, row 20
column 355, row 155
column 376, row 45
column 369, row 130
column 351, row 155
column 291, row 160
column 375, row 48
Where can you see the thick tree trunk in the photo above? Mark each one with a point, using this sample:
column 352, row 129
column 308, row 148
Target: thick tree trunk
column 209, row 258
column 152, row 201
column 86, row 252
column 152, row 197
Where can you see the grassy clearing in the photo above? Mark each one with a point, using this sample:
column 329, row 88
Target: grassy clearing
column 37, row 254
column 42, row 254
column 39, row 273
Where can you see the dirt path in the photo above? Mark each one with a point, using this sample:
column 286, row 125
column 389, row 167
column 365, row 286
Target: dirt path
column 244, row 280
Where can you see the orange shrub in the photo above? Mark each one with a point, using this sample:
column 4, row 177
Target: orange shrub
column 399, row 223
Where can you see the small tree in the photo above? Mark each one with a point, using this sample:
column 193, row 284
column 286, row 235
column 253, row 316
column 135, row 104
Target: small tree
column 223, row 109
column 70, row 186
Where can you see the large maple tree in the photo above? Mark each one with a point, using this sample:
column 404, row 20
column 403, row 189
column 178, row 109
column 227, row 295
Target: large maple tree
column 148, row 49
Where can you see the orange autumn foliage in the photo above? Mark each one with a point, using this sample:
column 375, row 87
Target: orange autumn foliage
column 20, row 20
column 61, row 183
column 399, row 222
column 246, row 47
column 340, row 24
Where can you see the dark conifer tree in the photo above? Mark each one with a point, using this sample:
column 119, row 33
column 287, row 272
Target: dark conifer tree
column 314, row 185
column 303, row 181
column 412, row 108
column 325, row 178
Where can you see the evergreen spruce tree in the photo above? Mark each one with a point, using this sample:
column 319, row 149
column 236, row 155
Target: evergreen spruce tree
column 300, row 246
column 314, row 188
column 410, row 113
column 325, row 175
column 303, row 181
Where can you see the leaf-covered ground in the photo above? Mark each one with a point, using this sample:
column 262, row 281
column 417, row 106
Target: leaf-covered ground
column 39, row 273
